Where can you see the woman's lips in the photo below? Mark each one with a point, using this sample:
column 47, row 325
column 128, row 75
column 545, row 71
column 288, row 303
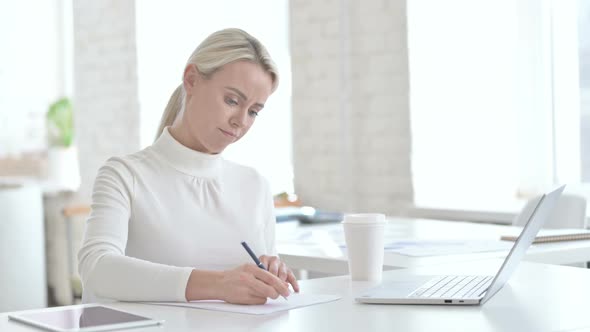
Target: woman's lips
column 227, row 133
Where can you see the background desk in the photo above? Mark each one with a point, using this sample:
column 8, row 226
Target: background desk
column 319, row 250
column 538, row 298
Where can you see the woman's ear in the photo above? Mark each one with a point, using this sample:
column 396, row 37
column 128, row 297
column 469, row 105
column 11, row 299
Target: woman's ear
column 191, row 77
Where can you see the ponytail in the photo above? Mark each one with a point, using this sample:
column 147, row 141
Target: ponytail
column 174, row 107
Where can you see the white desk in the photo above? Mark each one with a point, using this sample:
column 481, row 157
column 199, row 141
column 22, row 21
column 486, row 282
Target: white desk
column 538, row 298
column 315, row 247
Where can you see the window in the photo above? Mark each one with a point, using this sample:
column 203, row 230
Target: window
column 169, row 31
column 499, row 100
column 584, row 63
column 572, row 92
column 27, row 90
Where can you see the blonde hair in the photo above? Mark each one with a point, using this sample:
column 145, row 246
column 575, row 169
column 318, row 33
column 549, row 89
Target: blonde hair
column 217, row 50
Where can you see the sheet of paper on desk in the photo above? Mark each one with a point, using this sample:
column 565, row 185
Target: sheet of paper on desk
column 420, row 248
column 295, row 301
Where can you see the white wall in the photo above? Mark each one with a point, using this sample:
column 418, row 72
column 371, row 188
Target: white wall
column 105, row 76
column 351, row 104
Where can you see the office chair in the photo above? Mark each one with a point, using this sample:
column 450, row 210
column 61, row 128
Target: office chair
column 570, row 212
column 70, row 213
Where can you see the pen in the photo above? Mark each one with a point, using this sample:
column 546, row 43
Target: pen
column 256, row 261
column 251, row 253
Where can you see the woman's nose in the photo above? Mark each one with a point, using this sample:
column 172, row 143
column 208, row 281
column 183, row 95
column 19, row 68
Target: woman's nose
column 239, row 119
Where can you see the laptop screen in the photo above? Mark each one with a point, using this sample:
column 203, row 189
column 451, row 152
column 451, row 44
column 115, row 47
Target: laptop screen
column 536, row 221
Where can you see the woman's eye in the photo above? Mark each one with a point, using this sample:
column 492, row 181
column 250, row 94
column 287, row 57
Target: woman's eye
column 253, row 113
column 231, row 102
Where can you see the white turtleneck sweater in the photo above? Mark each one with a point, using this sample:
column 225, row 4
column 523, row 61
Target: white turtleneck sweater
column 161, row 212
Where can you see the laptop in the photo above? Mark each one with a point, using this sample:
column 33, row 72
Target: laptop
column 461, row 289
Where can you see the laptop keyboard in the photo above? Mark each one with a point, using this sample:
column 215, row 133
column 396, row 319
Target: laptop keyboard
column 454, row 287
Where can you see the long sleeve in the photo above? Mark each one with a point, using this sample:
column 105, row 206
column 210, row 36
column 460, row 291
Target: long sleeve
column 105, row 269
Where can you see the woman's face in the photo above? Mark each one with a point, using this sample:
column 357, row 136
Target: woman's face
column 221, row 109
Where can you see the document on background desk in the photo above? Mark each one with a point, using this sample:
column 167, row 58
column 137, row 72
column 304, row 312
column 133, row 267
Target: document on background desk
column 296, row 300
column 421, row 248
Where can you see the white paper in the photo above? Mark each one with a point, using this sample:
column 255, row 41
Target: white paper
column 421, row 248
column 295, row 300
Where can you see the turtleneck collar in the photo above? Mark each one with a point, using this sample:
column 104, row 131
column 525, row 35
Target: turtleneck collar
column 187, row 160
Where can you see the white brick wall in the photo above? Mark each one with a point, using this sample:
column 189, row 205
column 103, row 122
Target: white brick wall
column 105, row 84
column 351, row 121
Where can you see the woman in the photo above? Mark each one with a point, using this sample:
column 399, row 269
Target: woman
column 167, row 221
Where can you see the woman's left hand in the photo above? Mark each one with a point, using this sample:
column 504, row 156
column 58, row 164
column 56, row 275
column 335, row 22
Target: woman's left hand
column 280, row 269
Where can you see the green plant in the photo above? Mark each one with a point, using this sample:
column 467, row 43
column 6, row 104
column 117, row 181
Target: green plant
column 60, row 122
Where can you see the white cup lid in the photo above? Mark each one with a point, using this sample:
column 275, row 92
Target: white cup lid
column 364, row 218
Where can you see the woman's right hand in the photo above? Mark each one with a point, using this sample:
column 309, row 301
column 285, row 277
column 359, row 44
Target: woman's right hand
column 249, row 284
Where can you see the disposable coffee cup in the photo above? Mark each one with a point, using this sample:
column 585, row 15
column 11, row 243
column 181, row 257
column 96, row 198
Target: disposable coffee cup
column 364, row 233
